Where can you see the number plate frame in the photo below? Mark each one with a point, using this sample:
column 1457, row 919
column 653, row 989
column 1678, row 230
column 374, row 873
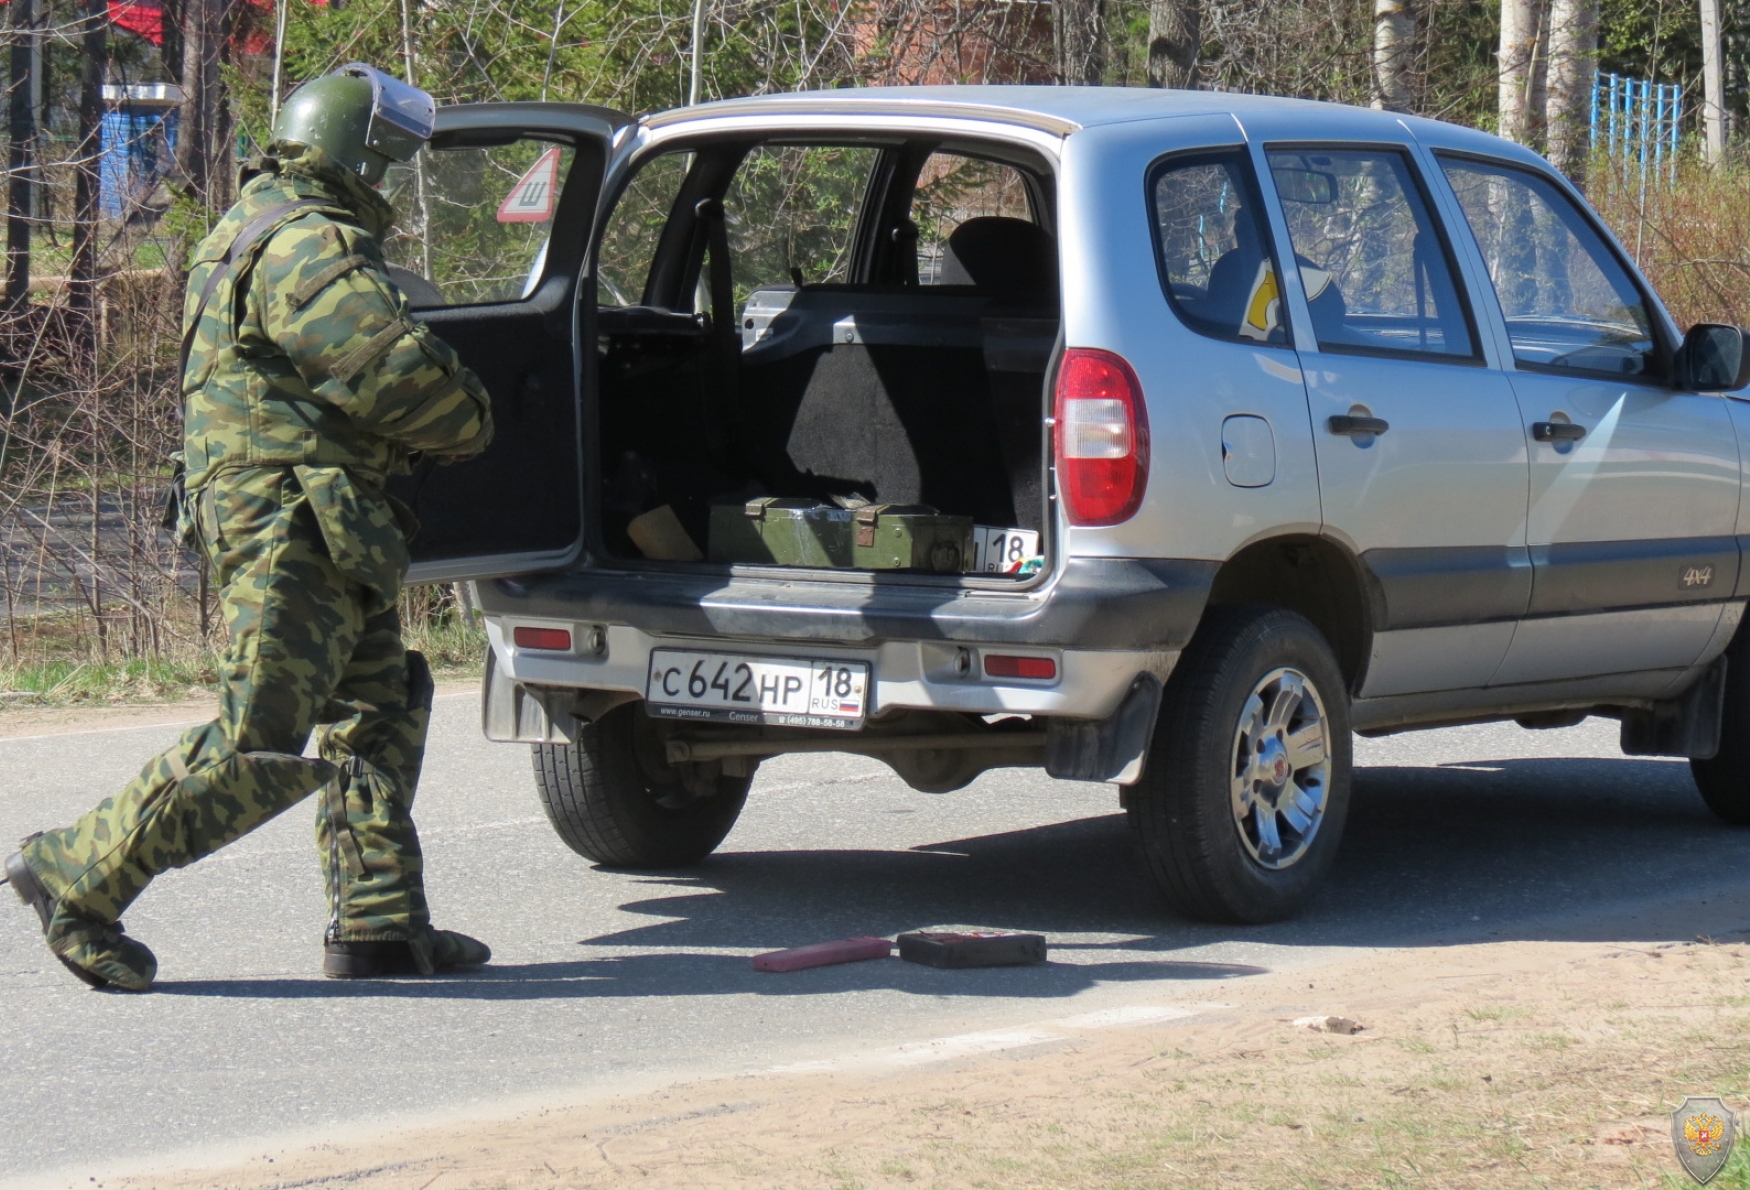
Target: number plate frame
column 670, row 692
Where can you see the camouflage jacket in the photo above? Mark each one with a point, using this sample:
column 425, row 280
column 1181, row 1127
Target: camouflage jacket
column 305, row 354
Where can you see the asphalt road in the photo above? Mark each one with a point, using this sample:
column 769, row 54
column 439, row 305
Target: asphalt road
column 606, row 981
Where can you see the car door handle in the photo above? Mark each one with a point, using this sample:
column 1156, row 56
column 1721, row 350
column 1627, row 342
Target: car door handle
column 1349, row 425
column 1557, row 431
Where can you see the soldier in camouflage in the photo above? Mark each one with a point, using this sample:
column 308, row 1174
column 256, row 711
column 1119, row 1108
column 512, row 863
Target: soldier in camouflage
column 305, row 387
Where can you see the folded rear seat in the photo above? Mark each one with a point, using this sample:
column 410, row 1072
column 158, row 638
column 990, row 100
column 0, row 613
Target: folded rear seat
column 906, row 394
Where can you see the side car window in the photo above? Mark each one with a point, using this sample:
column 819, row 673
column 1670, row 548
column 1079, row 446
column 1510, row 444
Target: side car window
column 1377, row 274
column 952, row 190
column 791, row 214
column 1213, row 247
column 1569, row 303
column 629, row 241
column 472, row 223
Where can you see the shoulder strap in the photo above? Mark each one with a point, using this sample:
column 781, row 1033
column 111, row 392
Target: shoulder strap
column 251, row 232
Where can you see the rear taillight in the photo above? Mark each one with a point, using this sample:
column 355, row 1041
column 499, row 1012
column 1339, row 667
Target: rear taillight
column 1102, row 437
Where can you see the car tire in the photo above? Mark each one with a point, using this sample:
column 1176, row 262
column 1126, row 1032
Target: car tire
column 1222, row 809
column 1724, row 778
column 613, row 798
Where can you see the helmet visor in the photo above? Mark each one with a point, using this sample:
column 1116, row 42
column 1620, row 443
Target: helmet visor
column 401, row 115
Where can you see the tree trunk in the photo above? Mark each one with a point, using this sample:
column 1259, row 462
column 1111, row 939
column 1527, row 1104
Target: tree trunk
column 1175, row 39
column 222, row 181
column 1520, row 28
column 1573, row 59
column 22, row 125
column 1713, row 110
column 1394, row 37
column 87, row 191
column 1079, row 30
column 191, row 132
column 203, row 149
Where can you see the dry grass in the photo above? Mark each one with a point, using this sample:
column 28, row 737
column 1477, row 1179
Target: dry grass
column 62, row 669
column 1690, row 232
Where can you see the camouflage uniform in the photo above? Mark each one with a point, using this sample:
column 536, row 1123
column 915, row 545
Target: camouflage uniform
column 306, row 387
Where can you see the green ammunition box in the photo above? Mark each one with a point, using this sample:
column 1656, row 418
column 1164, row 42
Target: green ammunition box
column 788, row 532
column 910, row 537
column 800, row 532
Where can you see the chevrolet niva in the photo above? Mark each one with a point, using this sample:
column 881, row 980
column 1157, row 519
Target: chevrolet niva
column 1157, row 438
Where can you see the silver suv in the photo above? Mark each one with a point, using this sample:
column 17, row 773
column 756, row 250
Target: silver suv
column 1274, row 421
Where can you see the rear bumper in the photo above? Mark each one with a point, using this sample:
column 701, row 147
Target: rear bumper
column 1103, row 621
column 1092, row 603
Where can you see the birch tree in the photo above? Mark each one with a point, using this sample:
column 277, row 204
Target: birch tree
column 1521, row 27
column 1573, row 59
column 1079, row 30
column 1175, row 39
column 1394, row 36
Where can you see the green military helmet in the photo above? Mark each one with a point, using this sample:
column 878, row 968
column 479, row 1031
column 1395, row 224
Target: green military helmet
column 359, row 116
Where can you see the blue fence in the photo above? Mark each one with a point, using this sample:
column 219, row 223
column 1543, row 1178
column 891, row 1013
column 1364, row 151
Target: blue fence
column 1637, row 122
column 137, row 150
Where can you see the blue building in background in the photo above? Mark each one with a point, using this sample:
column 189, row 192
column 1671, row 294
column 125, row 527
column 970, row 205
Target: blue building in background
column 139, row 143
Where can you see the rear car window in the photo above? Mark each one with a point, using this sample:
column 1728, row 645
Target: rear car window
column 953, row 190
column 1377, row 275
column 792, row 214
column 1216, row 261
column 474, row 221
column 1569, row 302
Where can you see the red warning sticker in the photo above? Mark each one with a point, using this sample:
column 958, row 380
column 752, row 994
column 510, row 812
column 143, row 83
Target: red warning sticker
column 532, row 199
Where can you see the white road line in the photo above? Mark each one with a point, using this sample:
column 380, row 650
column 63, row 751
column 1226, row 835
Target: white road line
column 1133, row 1014
column 941, row 1049
column 963, row 1045
column 61, row 735
column 919, row 1053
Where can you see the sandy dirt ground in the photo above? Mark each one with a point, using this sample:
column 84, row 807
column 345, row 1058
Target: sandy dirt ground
column 1510, row 1064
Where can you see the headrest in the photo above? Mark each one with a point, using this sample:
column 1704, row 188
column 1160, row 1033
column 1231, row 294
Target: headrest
column 1246, row 232
column 996, row 252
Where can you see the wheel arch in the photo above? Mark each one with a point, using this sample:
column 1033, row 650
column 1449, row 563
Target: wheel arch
column 1313, row 577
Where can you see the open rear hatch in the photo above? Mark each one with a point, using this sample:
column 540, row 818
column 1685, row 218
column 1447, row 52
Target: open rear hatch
column 844, row 373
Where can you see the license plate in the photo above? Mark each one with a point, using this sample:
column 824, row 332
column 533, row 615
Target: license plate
column 999, row 551
column 729, row 688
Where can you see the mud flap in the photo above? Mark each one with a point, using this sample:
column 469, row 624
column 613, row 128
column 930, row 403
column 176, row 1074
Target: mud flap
column 1111, row 749
column 1688, row 725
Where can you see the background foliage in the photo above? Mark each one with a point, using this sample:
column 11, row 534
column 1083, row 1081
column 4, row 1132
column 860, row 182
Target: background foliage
column 88, row 393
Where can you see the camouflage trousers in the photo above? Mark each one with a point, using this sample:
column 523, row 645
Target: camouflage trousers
column 309, row 646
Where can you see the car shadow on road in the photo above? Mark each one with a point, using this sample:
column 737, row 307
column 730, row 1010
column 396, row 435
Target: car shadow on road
column 692, row 974
column 1482, row 851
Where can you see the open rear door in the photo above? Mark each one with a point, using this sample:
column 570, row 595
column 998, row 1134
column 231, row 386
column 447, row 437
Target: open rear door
column 495, row 219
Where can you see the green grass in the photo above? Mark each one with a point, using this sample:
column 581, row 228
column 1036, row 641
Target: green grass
column 454, row 650
column 64, row 683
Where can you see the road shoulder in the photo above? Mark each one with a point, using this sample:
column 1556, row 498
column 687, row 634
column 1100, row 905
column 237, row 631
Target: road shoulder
column 1534, row 1062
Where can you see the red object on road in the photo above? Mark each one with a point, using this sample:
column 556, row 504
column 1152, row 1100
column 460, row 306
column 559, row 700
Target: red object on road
column 823, row 954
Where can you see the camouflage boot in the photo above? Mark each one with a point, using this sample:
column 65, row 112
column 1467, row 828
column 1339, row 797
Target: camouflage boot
column 100, row 954
column 428, row 952
column 185, row 804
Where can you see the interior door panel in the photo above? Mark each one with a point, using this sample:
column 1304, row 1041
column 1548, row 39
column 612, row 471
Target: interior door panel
column 517, row 507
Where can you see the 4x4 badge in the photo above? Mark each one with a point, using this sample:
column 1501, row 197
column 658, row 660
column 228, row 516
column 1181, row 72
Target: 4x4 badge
column 1703, row 1131
column 1697, row 576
